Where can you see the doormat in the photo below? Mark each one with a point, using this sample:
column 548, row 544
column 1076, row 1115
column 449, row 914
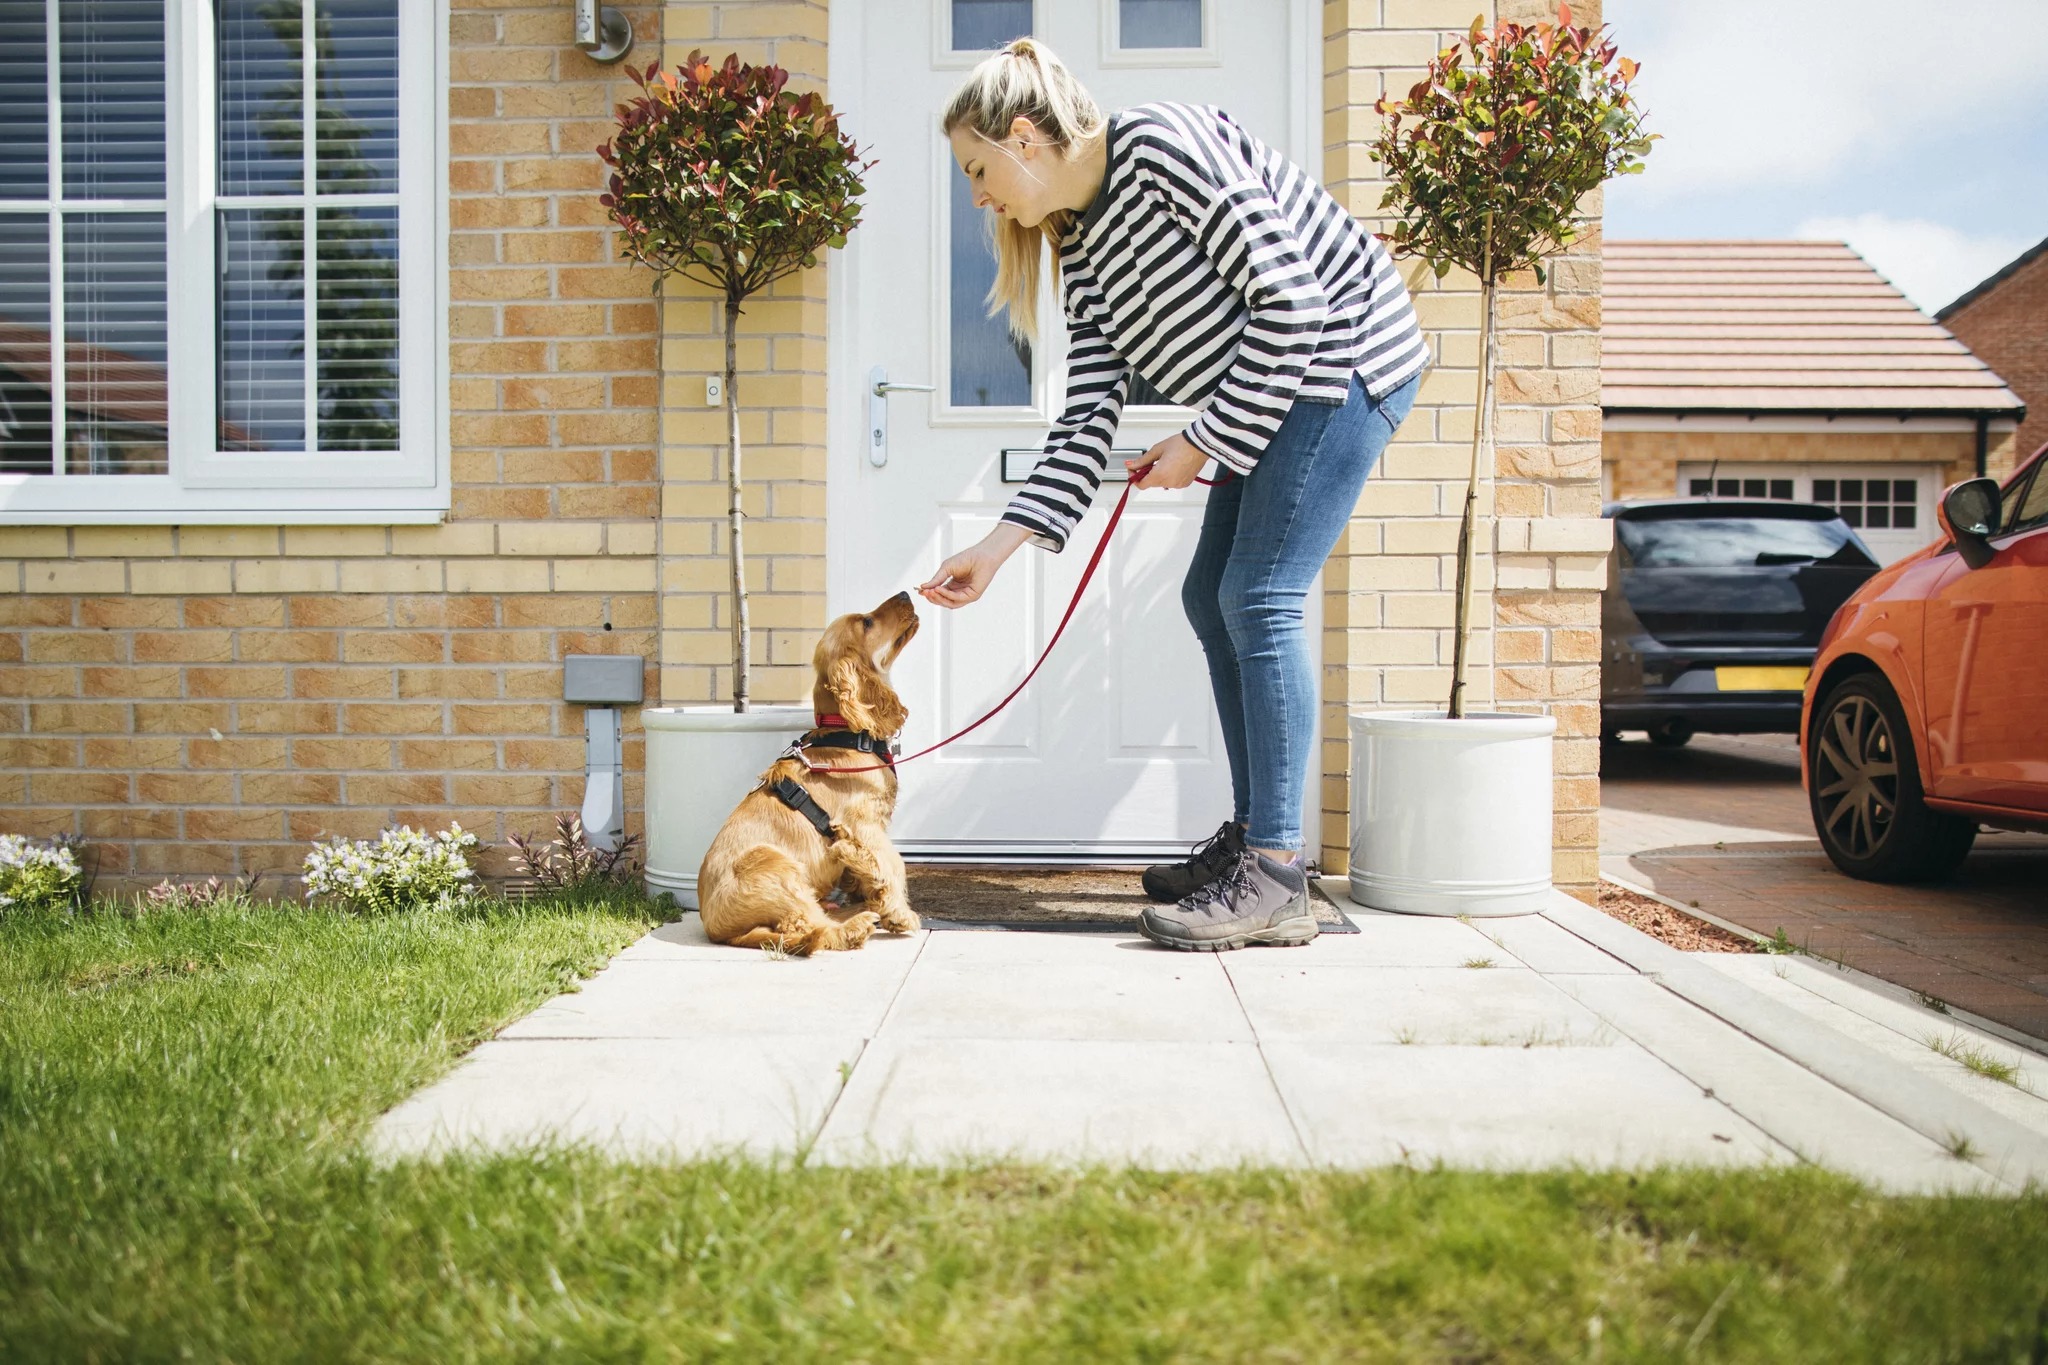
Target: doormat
column 1052, row 899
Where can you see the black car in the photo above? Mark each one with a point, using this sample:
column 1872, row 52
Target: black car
column 1713, row 611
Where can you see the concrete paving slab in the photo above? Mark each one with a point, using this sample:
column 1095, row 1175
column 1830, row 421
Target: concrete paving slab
column 1783, row 981
column 1413, row 1005
column 1542, row 946
column 1807, row 1115
column 833, row 993
column 1114, row 993
column 1163, row 1105
column 684, row 940
column 1506, row 1108
column 636, row 1097
column 1388, row 940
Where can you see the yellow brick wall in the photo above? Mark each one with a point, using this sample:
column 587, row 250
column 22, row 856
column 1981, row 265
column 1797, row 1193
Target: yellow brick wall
column 207, row 700
column 1644, row 464
column 781, row 392
column 1389, row 588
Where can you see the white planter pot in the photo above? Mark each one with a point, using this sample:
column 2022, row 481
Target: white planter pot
column 1450, row 817
column 700, row 761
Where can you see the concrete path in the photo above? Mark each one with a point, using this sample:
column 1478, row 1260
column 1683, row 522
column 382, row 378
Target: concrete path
column 1560, row 1039
column 1722, row 825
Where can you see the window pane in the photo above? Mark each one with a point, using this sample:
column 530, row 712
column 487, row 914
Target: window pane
column 357, row 327
column 257, row 47
column 1781, row 490
column 112, row 54
column 25, row 344
column 356, row 71
column 988, row 368
column 1160, row 23
column 979, row 24
column 24, row 101
column 262, row 353
column 115, row 388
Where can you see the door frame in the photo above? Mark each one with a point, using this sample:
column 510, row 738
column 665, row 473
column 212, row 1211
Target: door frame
column 846, row 400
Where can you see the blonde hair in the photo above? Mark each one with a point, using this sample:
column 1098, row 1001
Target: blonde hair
column 1025, row 78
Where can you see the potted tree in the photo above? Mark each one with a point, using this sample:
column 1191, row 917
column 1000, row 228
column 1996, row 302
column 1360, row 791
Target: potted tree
column 1486, row 161
column 722, row 176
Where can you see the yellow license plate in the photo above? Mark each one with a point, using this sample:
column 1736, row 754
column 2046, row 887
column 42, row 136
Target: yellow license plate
column 1789, row 679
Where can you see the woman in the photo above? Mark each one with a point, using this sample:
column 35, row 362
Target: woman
column 1191, row 253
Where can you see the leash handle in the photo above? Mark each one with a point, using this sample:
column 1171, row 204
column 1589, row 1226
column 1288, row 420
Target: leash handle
column 1116, row 515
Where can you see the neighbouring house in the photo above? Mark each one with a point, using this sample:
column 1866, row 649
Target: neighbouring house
column 1790, row 370
column 2004, row 321
column 317, row 456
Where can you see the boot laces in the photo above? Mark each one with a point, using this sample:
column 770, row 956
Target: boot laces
column 1238, row 879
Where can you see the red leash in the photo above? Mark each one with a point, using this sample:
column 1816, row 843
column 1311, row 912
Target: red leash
column 1116, row 515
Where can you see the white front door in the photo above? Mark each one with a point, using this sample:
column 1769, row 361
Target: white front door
column 1114, row 749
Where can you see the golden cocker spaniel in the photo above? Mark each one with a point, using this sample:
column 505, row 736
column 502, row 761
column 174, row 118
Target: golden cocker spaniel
column 766, row 875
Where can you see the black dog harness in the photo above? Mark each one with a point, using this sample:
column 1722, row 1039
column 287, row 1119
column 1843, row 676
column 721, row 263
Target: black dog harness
column 793, row 794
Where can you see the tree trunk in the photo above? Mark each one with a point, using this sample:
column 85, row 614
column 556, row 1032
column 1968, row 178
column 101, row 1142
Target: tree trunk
column 736, row 515
column 1482, row 450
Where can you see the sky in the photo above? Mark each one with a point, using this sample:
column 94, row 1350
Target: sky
column 1916, row 132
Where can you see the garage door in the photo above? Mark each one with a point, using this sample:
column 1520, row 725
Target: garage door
column 1891, row 506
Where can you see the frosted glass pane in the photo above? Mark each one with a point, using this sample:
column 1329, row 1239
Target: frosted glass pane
column 988, row 368
column 1160, row 23
column 982, row 24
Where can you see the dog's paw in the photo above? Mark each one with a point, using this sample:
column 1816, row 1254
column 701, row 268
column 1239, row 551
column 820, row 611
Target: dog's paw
column 901, row 921
column 855, row 931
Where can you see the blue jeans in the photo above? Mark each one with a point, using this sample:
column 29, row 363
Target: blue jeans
column 1264, row 536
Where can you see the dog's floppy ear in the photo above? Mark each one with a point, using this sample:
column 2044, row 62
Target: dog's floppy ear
column 865, row 699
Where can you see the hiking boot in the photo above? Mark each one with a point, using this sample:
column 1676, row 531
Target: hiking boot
column 1169, row 882
column 1254, row 901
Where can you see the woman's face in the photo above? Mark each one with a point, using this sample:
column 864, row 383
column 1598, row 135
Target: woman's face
column 1010, row 176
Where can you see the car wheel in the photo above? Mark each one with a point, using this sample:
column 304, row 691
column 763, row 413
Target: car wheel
column 1671, row 734
column 1864, row 789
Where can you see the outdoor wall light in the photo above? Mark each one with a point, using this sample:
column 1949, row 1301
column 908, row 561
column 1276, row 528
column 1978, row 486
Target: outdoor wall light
column 602, row 683
column 602, row 31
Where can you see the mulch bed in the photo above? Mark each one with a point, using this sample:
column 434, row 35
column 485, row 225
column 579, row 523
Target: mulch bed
column 1666, row 925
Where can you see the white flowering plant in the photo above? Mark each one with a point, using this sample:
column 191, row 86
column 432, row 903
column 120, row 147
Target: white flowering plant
column 37, row 876
column 406, row 869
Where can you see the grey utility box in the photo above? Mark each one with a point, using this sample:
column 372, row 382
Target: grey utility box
column 603, row 679
column 600, row 682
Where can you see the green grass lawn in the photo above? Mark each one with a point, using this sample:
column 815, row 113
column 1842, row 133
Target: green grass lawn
column 183, row 1097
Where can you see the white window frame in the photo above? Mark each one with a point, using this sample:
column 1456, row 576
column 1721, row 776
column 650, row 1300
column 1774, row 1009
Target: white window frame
column 208, row 486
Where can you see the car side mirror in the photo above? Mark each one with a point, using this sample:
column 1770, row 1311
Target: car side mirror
column 1969, row 514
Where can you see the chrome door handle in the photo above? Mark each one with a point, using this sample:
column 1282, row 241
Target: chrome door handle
column 879, row 389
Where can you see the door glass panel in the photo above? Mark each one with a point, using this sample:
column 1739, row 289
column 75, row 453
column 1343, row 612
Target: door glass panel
column 116, row 388
column 25, row 434
column 1159, row 23
column 24, row 100
column 112, row 83
column 988, row 368
column 982, row 24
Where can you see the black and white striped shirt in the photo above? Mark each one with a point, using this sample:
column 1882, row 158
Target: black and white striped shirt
column 1217, row 269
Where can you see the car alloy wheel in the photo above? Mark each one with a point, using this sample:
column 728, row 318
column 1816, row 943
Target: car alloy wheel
column 1858, row 775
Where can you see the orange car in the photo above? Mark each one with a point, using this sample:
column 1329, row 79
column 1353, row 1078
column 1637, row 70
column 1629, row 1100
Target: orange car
column 1926, row 713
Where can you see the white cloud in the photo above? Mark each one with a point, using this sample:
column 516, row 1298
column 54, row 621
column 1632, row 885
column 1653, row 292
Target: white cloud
column 1931, row 263
column 1802, row 88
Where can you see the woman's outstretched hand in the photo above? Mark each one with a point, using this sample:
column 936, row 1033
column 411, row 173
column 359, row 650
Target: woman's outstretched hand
column 966, row 576
column 1173, row 463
